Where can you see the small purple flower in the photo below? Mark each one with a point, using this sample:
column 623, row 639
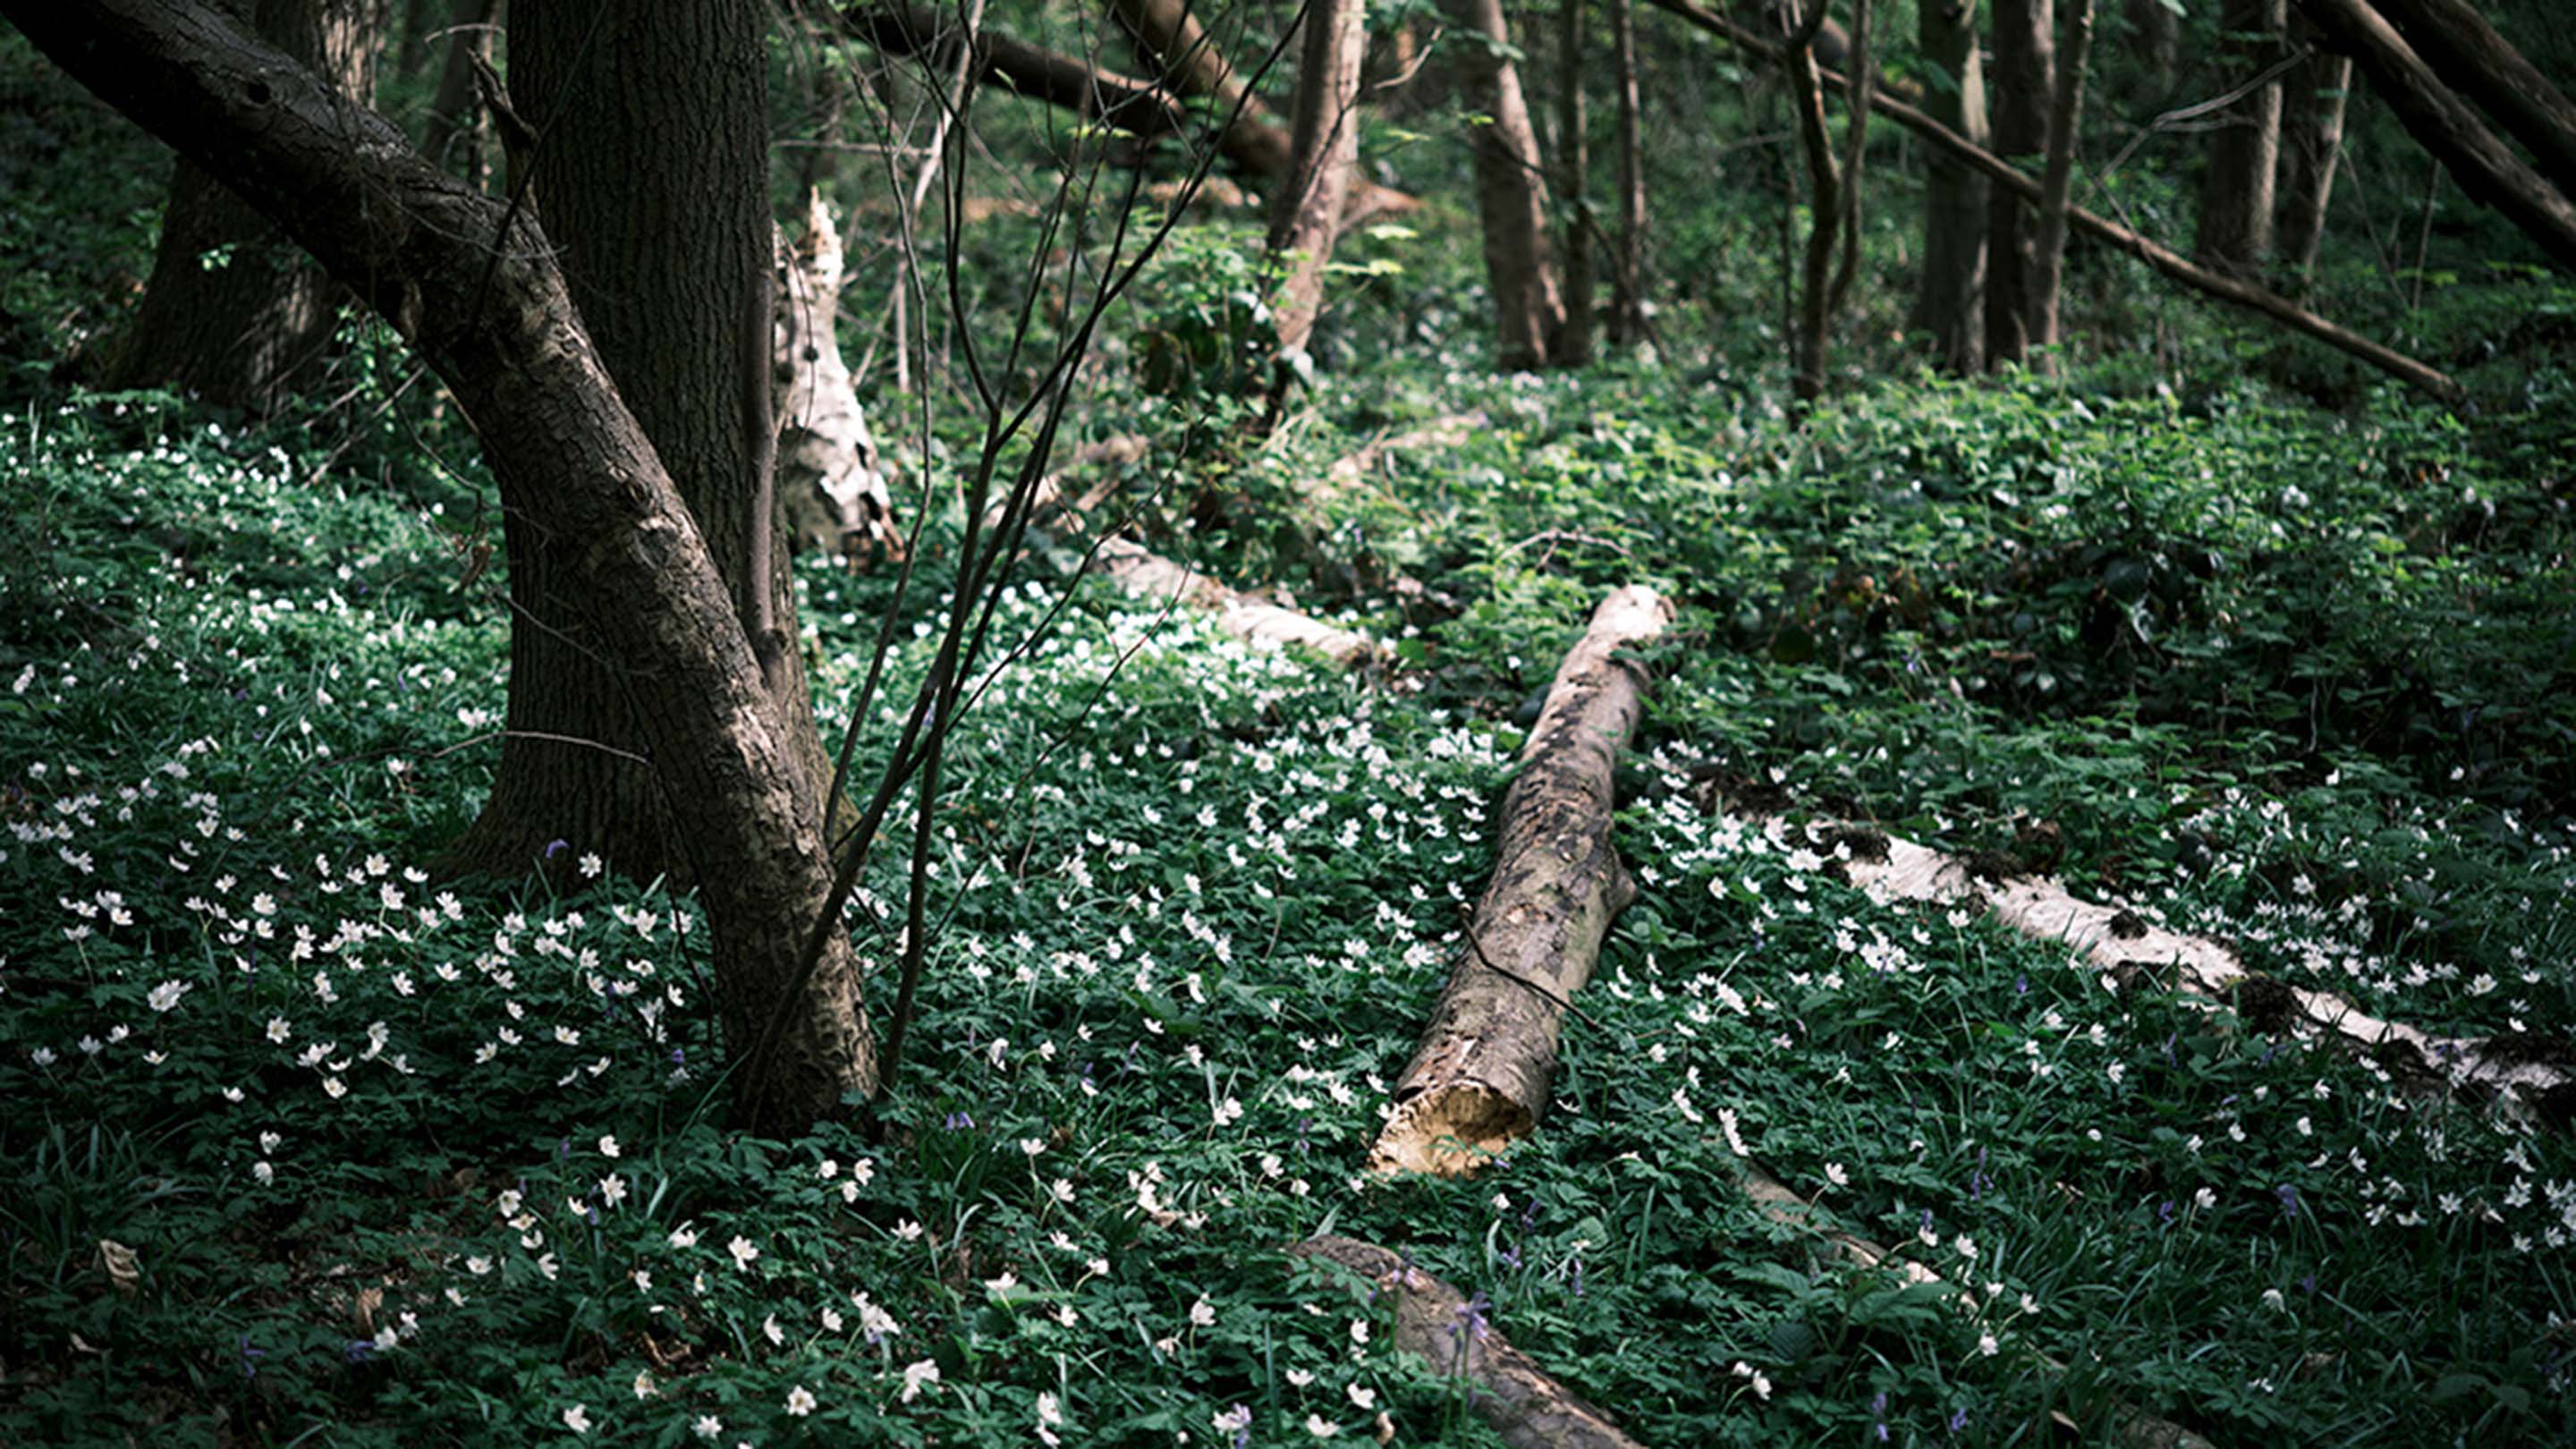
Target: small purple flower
column 960, row 1122
column 557, row 847
column 2165, row 1213
column 2169, row 1043
column 2289, row 1196
column 1959, row 1420
column 360, row 1350
column 1471, row 1317
column 1978, row 1181
column 250, row 1358
column 2021, row 984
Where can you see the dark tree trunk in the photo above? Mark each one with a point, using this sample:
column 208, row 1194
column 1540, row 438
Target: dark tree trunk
column 2236, row 189
column 1824, row 209
column 234, row 312
column 459, row 132
column 2469, row 56
column 1574, row 169
column 2025, row 52
column 488, row 310
column 1950, row 305
column 2311, row 149
column 2057, row 186
column 1511, row 191
column 2156, row 32
column 1627, row 317
column 1179, row 54
column 1324, row 153
column 654, row 148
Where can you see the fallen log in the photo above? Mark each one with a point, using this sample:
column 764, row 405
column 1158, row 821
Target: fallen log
column 1151, row 578
column 2164, row 259
column 2483, row 66
column 1435, row 1322
column 1351, row 468
column 829, row 478
column 1480, row 1077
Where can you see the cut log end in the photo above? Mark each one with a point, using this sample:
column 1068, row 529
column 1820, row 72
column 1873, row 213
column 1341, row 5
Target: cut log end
column 1449, row 1130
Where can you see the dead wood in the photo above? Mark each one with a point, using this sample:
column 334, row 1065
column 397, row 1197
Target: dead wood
column 1433, row 1321
column 1153, row 579
column 2164, row 259
column 1480, row 1077
column 829, row 477
column 2474, row 60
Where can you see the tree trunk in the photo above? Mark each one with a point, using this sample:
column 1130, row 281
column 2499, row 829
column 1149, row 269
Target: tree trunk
column 1824, row 209
column 2468, row 54
column 1950, row 304
column 1574, row 167
column 1480, row 1078
column 1628, row 272
column 2048, row 253
column 489, row 312
column 1180, row 55
column 1324, row 153
column 655, row 123
column 2484, row 166
column 2156, row 31
column 2311, row 149
column 2236, row 188
column 2025, row 51
column 831, row 486
column 459, row 130
column 234, row 313
column 1511, row 191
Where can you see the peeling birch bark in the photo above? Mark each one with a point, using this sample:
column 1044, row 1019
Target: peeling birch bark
column 1153, row 579
column 829, row 478
column 2123, row 945
column 1480, row 1077
column 1434, row 1321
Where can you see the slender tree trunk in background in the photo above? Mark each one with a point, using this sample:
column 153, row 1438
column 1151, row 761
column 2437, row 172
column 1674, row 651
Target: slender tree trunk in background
column 2025, row 50
column 2470, row 57
column 1824, row 208
column 459, row 130
column 2236, row 190
column 1511, row 191
column 2156, row 32
column 1574, row 164
column 2311, row 149
column 1950, row 304
column 655, row 122
column 2483, row 165
column 1628, row 270
column 2057, row 186
column 248, row 327
column 1307, row 211
column 420, row 21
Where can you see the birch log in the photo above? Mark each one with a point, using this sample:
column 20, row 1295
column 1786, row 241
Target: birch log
column 829, row 478
column 1153, row 579
column 1480, row 1078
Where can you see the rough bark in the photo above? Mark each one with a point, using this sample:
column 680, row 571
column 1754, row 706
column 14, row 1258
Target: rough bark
column 2162, row 258
column 459, row 130
column 830, row 481
column 234, row 312
column 1950, row 303
column 2025, row 75
column 1151, row 579
column 1324, row 153
column 1824, row 208
column 2236, row 187
column 1438, row 1324
column 1574, row 174
column 489, row 311
column 652, row 178
column 1480, row 1077
column 2048, row 248
column 1628, row 267
column 1511, row 190
column 2483, row 165
column 2311, row 151
column 2469, row 55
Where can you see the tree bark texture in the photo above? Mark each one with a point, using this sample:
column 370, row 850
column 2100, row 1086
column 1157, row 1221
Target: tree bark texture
column 1526, row 1408
column 1480, row 1077
column 1628, row 269
column 2311, row 151
column 2473, row 59
column 2484, row 166
column 2155, row 32
column 1824, row 212
column 489, row 311
column 249, row 326
column 1324, row 153
column 652, row 179
column 2236, row 186
column 1950, row 303
column 2025, row 51
column 1574, row 173
column 459, row 130
column 831, row 483
column 2162, row 258
column 1511, row 190
column 2065, row 127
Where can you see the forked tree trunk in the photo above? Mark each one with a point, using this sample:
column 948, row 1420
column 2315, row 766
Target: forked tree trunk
column 2468, row 54
column 1627, row 316
column 1324, row 152
column 1511, row 191
column 2236, row 188
column 2065, row 128
column 489, row 312
column 2025, row 52
column 1574, row 170
column 1950, row 304
column 2311, row 151
column 234, row 312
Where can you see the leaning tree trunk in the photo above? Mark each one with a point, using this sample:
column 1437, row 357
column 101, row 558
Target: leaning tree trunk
column 2468, row 54
column 2025, row 54
column 1324, row 153
column 481, row 299
column 1574, row 165
column 1628, row 271
column 655, row 119
column 2311, row 150
column 1511, row 191
column 2236, row 188
column 1950, row 304
column 234, row 312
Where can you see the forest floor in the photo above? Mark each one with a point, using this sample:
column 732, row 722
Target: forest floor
column 304, row 1145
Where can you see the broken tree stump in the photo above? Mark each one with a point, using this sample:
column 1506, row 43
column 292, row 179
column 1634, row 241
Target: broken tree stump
column 1480, row 1077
